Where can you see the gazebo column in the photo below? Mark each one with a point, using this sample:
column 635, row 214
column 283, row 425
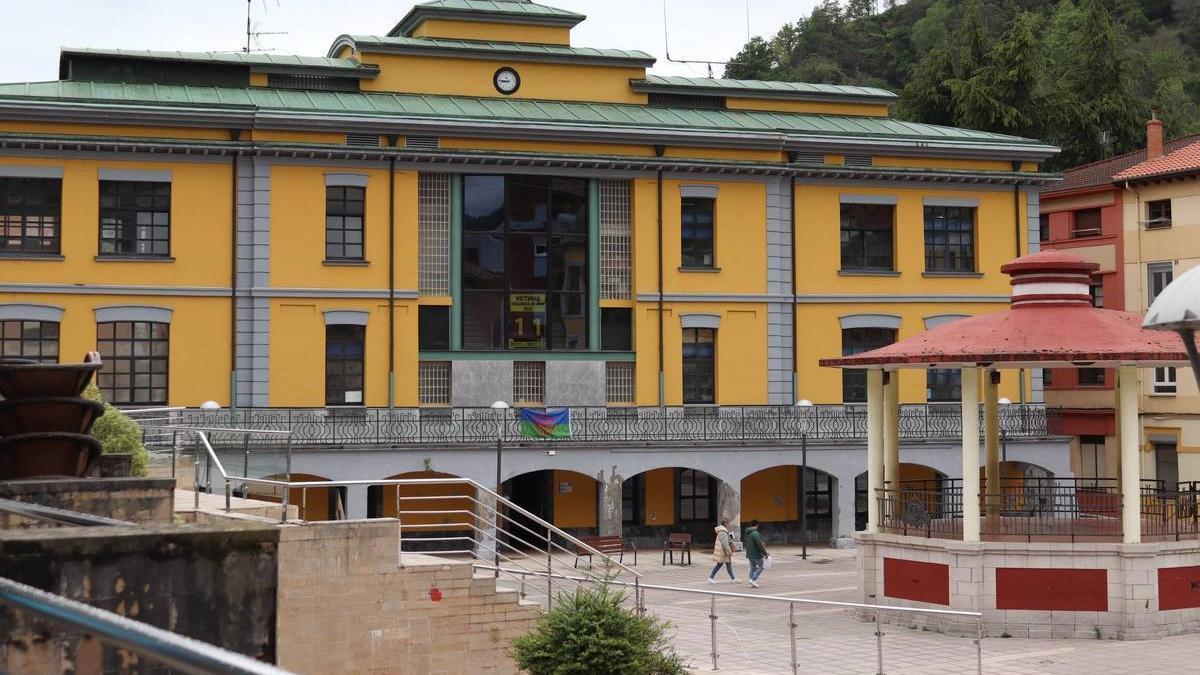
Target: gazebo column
column 874, row 446
column 1131, row 470
column 970, row 453
column 991, row 441
column 891, row 429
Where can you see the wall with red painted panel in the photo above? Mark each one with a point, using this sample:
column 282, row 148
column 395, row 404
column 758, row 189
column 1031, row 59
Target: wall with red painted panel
column 1178, row 587
column 1053, row 589
column 920, row 581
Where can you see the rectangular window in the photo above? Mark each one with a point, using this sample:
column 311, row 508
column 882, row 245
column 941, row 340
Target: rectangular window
column 616, row 246
column 616, row 329
column 819, row 489
column 867, row 237
column 1048, row 377
column 857, row 341
column 632, row 490
column 1096, row 290
column 949, row 239
column 699, row 366
column 618, row 382
column 1166, row 465
column 344, row 364
column 135, row 218
column 135, row 356
column 943, row 384
column 697, row 223
column 433, row 233
column 529, row 383
column 1085, row 223
column 1091, row 458
column 32, row 340
column 345, row 208
column 1091, row 377
column 1164, row 380
column 433, row 385
column 1160, row 275
column 697, row 496
column 1044, row 229
column 1158, row 214
column 524, row 263
column 30, row 215
column 433, row 328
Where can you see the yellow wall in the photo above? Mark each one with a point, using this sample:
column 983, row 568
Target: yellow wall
column 126, row 131
column 942, row 163
column 771, row 495
column 660, row 497
column 493, row 31
column 277, row 136
column 809, row 107
column 455, row 498
column 473, row 77
column 578, row 507
column 556, row 147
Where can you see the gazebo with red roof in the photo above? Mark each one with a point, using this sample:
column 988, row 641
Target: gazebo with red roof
column 1051, row 323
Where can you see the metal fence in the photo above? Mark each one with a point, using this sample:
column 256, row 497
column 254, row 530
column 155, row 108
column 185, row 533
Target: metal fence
column 1170, row 513
column 359, row 426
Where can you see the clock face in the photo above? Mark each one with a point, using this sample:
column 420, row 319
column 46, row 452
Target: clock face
column 506, row 80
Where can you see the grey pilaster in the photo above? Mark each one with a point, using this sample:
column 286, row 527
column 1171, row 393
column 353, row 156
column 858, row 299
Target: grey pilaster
column 253, row 271
column 356, row 502
column 729, row 505
column 1033, row 217
column 779, row 281
column 609, row 515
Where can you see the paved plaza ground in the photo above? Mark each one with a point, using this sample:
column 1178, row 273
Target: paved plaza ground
column 752, row 636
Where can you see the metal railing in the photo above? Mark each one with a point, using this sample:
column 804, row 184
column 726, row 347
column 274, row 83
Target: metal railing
column 442, row 516
column 180, row 653
column 874, row 612
column 1170, row 513
column 927, row 508
column 354, row 426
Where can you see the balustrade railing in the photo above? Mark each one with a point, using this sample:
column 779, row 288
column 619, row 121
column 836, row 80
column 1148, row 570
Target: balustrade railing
column 342, row 426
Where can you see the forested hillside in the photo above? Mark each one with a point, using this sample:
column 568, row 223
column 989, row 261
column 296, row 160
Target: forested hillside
column 1083, row 74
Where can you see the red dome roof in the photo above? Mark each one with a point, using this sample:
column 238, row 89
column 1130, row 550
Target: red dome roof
column 1049, row 324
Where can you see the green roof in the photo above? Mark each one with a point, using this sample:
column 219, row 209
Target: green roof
column 508, row 11
column 759, row 88
column 512, row 50
column 230, row 58
column 491, row 110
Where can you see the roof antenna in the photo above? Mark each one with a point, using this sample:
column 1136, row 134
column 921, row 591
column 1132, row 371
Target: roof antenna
column 709, row 64
column 252, row 35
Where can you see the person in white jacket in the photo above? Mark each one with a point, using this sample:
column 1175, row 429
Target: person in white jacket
column 722, row 552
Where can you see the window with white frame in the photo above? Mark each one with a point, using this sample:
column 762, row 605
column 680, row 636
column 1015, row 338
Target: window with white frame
column 1159, row 276
column 529, row 383
column 433, row 383
column 433, row 233
column 618, row 382
column 1164, row 380
column 616, row 273
column 1096, row 291
column 1158, row 214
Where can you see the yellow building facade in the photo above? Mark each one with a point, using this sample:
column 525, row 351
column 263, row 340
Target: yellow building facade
column 470, row 209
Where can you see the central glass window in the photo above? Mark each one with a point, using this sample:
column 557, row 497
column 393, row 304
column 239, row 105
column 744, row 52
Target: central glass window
column 524, row 263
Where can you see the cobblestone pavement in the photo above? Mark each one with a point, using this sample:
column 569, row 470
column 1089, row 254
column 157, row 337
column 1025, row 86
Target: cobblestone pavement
column 752, row 635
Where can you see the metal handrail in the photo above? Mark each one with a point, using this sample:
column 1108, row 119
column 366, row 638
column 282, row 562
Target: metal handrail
column 289, row 485
column 176, row 651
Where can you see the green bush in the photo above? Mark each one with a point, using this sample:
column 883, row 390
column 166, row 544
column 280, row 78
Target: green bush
column 118, row 433
column 591, row 632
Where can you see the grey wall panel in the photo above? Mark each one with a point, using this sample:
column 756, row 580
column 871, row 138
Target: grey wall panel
column 575, row 383
column 481, row 383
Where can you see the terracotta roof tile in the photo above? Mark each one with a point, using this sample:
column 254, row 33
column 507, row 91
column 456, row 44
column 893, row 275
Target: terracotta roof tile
column 1101, row 173
column 1183, row 160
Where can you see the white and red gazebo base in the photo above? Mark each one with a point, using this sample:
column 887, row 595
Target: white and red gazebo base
column 1036, row 589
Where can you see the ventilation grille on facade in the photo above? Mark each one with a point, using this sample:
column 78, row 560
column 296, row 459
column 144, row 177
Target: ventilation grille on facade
column 615, row 241
column 362, row 140
column 433, row 234
column 687, row 101
column 421, row 142
column 529, row 382
column 618, row 382
column 311, row 82
column 857, row 160
column 808, row 158
column 433, row 386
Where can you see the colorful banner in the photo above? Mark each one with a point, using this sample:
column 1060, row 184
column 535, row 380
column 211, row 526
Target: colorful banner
column 548, row 424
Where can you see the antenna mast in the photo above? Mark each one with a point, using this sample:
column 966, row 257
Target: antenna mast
column 253, row 35
column 708, row 64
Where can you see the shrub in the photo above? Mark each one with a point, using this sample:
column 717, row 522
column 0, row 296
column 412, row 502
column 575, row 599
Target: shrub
column 591, row 632
column 118, row 433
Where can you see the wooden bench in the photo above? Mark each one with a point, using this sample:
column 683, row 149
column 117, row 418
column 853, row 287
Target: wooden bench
column 678, row 541
column 611, row 546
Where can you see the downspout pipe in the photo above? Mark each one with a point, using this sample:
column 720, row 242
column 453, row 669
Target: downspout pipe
column 1016, row 166
column 234, row 135
column 795, row 291
column 392, row 275
column 662, row 378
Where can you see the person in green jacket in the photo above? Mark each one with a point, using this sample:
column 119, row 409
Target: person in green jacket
column 756, row 553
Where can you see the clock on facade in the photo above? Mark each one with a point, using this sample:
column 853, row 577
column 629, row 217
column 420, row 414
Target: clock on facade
column 507, row 80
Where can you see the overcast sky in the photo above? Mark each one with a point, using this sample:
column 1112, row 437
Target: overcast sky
column 35, row 30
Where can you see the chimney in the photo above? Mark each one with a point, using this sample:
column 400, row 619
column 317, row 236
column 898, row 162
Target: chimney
column 1154, row 136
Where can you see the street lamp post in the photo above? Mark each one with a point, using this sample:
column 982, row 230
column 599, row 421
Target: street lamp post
column 804, row 405
column 1177, row 308
column 500, row 407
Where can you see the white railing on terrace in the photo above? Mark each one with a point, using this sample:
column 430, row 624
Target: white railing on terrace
column 358, row 426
